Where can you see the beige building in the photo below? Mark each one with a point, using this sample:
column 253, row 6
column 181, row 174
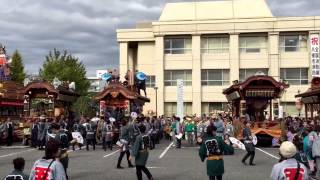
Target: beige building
column 211, row 44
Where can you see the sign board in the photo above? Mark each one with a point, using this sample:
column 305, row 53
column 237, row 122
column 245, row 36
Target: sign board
column 180, row 112
column 315, row 60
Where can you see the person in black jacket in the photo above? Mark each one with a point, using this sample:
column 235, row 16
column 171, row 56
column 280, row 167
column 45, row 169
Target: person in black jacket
column 247, row 138
column 34, row 133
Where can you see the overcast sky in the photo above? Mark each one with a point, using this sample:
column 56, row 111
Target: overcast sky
column 87, row 28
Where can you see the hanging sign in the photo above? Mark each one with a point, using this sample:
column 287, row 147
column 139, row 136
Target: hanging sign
column 180, row 99
column 315, row 60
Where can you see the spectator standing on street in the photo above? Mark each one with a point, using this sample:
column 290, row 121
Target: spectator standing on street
column 48, row 166
column 17, row 173
column 34, row 132
column 289, row 168
column 41, row 133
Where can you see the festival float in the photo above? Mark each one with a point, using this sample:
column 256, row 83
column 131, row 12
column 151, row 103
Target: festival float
column 48, row 99
column 121, row 99
column 310, row 99
column 250, row 100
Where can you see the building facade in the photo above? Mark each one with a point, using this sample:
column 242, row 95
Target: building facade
column 211, row 44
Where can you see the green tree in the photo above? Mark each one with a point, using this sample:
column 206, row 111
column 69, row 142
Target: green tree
column 65, row 67
column 17, row 68
column 85, row 106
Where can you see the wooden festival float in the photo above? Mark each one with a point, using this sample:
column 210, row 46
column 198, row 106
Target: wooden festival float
column 11, row 95
column 310, row 99
column 51, row 100
column 119, row 99
column 251, row 99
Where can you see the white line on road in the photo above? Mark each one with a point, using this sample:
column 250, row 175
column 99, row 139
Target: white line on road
column 111, row 153
column 268, row 153
column 152, row 167
column 20, row 152
column 165, row 151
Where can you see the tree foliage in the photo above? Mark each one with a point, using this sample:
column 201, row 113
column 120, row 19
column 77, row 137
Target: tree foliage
column 85, row 106
column 17, row 68
column 65, row 67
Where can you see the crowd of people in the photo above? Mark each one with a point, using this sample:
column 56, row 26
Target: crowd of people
column 300, row 142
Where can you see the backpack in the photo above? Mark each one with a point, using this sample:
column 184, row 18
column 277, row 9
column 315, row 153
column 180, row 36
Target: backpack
column 212, row 147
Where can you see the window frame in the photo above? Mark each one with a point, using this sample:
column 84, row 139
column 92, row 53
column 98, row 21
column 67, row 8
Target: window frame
column 299, row 47
column 283, row 76
column 249, row 50
column 172, row 104
column 220, row 50
column 170, row 50
column 206, row 81
column 173, row 82
column 149, row 82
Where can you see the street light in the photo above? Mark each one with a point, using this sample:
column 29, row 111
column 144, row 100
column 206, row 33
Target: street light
column 156, row 90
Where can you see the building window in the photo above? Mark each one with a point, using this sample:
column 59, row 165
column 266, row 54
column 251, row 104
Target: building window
column 214, row 45
column 294, row 76
column 171, row 77
column 252, row 44
column 170, row 108
column 177, row 45
column 245, row 73
column 215, row 77
column 293, row 43
column 209, row 107
column 151, row 81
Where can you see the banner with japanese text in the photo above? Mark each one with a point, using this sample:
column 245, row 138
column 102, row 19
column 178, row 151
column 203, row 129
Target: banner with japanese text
column 314, row 45
column 180, row 112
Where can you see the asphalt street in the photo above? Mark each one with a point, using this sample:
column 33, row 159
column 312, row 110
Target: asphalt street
column 165, row 163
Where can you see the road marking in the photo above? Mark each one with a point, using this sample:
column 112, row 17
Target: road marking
column 20, row 152
column 152, row 167
column 268, row 153
column 69, row 151
column 111, row 153
column 165, row 151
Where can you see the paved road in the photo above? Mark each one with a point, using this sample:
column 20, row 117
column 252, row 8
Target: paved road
column 175, row 164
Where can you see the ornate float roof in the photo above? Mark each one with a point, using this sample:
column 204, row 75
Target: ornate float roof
column 114, row 89
column 313, row 92
column 256, row 86
column 62, row 93
column 11, row 93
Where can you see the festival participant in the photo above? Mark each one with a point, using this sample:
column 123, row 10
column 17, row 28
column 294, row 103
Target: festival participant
column 247, row 137
column 62, row 138
column 17, row 173
column 177, row 131
column 212, row 149
column 316, row 151
column 218, row 122
column 77, row 127
column 124, row 148
column 229, row 128
column 41, row 133
column 141, row 154
column 49, row 167
column 90, row 134
column 9, row 131
column 289, row 168
column 189, row 129
column 108, row 135
column 34, row 132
